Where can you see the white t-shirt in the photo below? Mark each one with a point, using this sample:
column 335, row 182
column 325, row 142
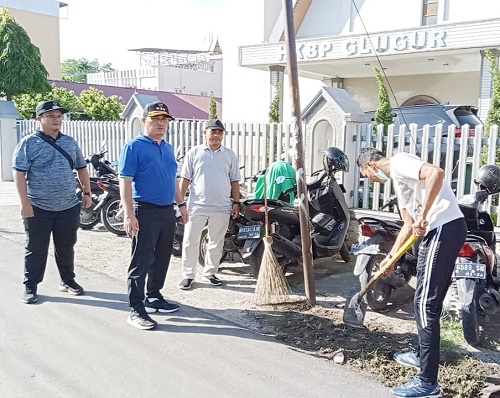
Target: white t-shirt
column 410, row 190
column 211, row 174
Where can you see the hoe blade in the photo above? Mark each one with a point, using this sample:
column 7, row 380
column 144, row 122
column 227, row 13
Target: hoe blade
column 354, row 311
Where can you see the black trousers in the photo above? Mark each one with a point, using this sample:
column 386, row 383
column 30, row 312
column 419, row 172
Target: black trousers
column 151, row 251
column 63, row 225
column 437, row 254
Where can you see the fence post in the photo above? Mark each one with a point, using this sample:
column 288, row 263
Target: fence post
column 8, row 138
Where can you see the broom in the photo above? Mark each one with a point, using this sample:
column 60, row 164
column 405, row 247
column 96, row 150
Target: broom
column 271, row 287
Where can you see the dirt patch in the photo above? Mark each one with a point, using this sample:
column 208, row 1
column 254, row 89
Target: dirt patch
column 321, row 331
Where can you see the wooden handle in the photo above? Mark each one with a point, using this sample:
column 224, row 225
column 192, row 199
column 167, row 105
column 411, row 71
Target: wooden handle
column 402, row 250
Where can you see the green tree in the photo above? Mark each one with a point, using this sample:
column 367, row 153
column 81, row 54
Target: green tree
column 99, row 107
column 383, row 114
column 21, row 68
column 212, row 113
column 494, row 111
column 274, row 108
column 26, row 103
column 75, row 70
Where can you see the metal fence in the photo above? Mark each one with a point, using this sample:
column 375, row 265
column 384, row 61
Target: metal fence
column 259, row 144
column 460, row 156
column 256, row 144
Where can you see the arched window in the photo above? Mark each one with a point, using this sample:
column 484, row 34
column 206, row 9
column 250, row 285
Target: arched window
column 420, row 100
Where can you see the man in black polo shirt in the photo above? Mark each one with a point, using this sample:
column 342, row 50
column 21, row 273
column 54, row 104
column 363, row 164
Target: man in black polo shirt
column 148, row 190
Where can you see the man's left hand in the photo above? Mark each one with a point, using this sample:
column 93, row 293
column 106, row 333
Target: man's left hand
column 86, row 201
column 419, row 226
column 235, row 210
column 184, row 214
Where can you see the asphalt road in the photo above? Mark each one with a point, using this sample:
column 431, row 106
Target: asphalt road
column 67, row 346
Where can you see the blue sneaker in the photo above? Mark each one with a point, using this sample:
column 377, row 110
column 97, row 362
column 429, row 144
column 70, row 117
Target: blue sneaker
column 407, row 358
column 416, row 388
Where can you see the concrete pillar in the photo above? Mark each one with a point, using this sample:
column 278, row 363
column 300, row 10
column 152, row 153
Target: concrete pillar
column 485, row 85
column 277, row 76
column 8, row 138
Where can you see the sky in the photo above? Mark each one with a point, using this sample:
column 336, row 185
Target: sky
column 106, row 29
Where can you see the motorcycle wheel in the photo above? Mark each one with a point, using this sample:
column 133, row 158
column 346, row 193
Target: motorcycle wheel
column 379, row 294
column 470, row 324
column 88, row 217
column 344, row 253
column 256, row 260
column 202, row 253
column 109, row 217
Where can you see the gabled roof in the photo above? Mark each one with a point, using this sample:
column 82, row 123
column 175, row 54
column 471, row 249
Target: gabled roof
column 182, row 106
column 340, row 100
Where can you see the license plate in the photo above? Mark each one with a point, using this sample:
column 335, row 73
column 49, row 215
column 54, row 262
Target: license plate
column 470, row 270
column 249, row 232
column 364, row 248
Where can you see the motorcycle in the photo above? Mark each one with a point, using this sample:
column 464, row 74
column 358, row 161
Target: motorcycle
column 329, row 218
column 378, row 238
column 475, row 286
column 90, row 217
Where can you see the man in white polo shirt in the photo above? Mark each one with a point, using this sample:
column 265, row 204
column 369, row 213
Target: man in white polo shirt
column 212, row 174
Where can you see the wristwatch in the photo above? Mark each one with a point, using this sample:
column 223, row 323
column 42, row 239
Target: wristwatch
column 182, row 204
column 88, row 193
column 236, row 203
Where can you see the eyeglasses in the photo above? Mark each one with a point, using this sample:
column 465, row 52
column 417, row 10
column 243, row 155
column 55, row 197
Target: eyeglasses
column 216, row 132
column 53, row 117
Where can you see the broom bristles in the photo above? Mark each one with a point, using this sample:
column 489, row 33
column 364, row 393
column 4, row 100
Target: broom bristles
column 272, row 286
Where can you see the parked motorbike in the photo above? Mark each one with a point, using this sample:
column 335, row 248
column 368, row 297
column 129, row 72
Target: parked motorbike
column 90, row 217
column 378, row 238
column 475, row 287
column 329, row 217
column 112, row 215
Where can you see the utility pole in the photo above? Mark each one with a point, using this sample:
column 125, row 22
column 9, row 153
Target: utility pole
column 293, row 79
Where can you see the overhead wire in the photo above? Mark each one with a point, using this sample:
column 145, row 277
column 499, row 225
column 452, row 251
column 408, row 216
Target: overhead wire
column 382, row 70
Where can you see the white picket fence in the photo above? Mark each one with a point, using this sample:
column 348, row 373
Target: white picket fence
column 253, row 143
column 462, row 158
column 256, row 147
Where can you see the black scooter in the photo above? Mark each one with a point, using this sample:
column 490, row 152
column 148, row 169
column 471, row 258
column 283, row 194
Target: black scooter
column 90, row 217
column 329, row 216
column 475, row 286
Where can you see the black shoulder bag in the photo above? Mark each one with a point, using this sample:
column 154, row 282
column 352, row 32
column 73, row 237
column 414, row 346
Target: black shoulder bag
column 50, row 141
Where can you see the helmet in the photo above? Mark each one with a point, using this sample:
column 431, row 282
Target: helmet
column 335, row 160
column 488, row 178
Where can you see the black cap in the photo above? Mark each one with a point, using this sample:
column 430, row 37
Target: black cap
column 47, row 106
column 215, row 124
column 157, row 109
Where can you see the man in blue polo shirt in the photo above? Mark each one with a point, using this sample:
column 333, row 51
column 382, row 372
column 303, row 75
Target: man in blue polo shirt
column 148, row 190
column 43, row 165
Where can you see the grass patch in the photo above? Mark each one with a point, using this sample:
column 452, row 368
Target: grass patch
column 452, row 336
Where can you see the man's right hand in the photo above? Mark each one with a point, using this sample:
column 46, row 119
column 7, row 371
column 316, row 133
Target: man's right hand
column 27, row 210
column 131, row 225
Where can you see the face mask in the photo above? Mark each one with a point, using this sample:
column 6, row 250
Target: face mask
column 380, row 174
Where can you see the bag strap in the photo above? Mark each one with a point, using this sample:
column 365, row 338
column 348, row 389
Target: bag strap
column 50, row 141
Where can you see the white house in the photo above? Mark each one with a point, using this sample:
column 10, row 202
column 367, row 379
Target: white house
column 430, row 51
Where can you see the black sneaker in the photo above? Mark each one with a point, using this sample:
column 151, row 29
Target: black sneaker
column 29, row 295
column 71, row 287
column 141, row 321
column 160, row 305
column 186, row 284
column 214, row 281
